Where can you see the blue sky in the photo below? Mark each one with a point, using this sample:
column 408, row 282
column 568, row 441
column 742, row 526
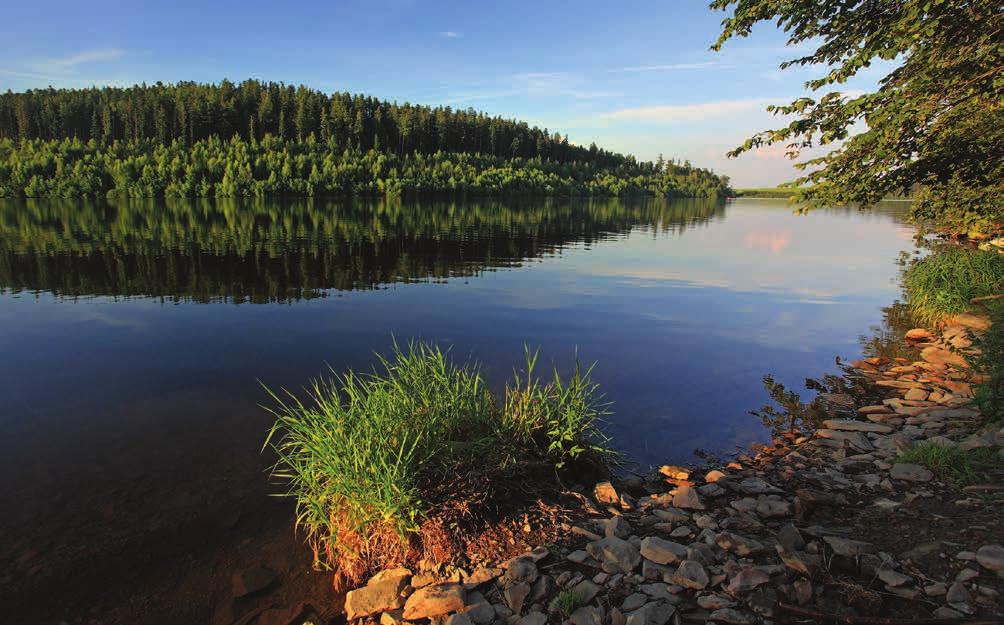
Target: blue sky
column 635, row 77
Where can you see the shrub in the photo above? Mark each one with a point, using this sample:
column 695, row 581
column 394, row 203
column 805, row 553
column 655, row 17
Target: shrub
column 990, row 394
column 363, row 454
column 940, row 286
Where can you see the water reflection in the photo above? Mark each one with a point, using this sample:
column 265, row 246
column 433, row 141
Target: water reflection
column 271, row 251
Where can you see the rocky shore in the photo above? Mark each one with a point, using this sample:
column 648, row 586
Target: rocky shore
column 822, row 526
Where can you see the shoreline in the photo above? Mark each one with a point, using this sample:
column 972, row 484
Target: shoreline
column 821, row 525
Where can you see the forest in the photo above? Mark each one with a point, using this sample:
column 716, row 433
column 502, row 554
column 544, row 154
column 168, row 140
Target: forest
column 257, row 138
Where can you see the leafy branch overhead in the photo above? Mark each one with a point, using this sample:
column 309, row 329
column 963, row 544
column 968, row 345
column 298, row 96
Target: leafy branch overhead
column 935, row 120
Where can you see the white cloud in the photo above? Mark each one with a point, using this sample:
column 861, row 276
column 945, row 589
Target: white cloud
column 670, row 113
column 63, row 65
column 450, row 34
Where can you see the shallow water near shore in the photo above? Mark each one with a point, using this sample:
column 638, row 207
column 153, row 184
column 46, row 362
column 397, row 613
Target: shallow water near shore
column 136, row 335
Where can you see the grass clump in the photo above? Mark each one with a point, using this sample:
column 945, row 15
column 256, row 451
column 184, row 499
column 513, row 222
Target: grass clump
column 363, row 455
column 568, row 601
column 940, row 286
column 952, row 464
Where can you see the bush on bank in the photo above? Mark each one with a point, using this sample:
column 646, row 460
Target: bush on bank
column 364, row 452
column 941, row 285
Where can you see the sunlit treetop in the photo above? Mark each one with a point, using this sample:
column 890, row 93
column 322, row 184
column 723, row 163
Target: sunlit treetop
column 934, row 124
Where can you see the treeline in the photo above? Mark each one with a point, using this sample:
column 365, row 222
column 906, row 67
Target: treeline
column 260, row 138
column 274, row 166
column 189, row 112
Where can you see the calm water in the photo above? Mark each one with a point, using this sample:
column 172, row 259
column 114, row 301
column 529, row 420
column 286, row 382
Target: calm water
column 135, row 336
column 145, row 320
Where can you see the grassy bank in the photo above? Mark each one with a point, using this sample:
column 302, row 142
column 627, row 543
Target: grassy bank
column 367, row 456
column 942, row 285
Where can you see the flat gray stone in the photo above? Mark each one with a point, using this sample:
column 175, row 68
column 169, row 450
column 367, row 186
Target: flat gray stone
column 910, row 472
column 662, row 551
column 691, row 574
column 616, row 552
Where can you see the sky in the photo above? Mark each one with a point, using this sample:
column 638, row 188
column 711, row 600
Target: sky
column 635, row 77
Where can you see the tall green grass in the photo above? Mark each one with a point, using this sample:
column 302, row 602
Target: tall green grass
column 362, row 451
column 940, row 286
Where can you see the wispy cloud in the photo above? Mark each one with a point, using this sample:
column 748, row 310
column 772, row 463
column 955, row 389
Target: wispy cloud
column 67, row 64
column 537, row 84
column 688, row 112
column 666, row 67
column 450, row 34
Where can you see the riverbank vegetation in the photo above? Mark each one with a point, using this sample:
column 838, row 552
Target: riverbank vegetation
column 941, row 285
column 367, row 456
column 935, row 122
column 237, row 167
column 257, row 138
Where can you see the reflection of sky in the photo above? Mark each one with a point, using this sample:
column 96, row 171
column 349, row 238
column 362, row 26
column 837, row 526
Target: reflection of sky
column 683, row 327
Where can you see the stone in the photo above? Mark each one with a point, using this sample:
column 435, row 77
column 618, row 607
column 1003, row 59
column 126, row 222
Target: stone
column 606, row 494
column 803, row 591
column 674, row 472
column 617, row 552
column 394, row 617
column 746, row 580
column 848, row 425
column 687, row 498
column 478, row 609
column 737, row 544
column 804, row 563
column 910, row 472
column 381, row 594
column 654, row 613
column 715, row 601
column 252, row 580
column 515, row 596
column 482, row 575
column 855, row 440
column 460, row 618
column 662, row 551
column 919, row 334
column 651, row 570
column 789, row 536
column 578, row 556
column 732, row 617
column 520, row 570
column 957, row 593
column 533, row 618
column 586, row 590
column 713, row 476
column 917, row 394
column 941, row 356
column 634, row 601
column 973, row 321
column 435, row 600
column 756, row 486
column 991, row 557
column 587, row 615
column 691, row 574
column 772, row 507
column 847, row 547
column 616, row 526
column 617, row 617
column 894, row 578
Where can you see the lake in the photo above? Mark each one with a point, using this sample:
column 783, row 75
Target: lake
column 136, row 336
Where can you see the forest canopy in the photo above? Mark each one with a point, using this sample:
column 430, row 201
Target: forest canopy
column 257, row 138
